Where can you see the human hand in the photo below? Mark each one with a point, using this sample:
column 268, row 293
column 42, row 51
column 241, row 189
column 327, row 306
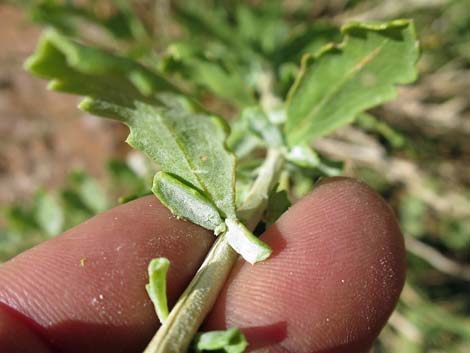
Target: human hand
column 336, row 272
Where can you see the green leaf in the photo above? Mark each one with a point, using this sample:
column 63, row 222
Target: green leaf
column 92, row 195
column 330, row 168
column 187, row 144
column 185, row 201
column 124, row 179
column 263, row 27
column 222, row 78
column 303, row 156
column 48, row 214
column 371, row 123
column 210, row 25
column 278, row 204
column 262, row 127
column 156, row 288
column 246, row 174
column 341, row 81
column 87, row 71
column 306, row 159
column 20, row 219
column 245, row 242
column 242, row 141
column 231, row 340
column 76, row 211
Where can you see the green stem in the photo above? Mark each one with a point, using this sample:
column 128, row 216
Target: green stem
column 199, row 297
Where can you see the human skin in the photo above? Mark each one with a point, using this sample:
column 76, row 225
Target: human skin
column 336, row 272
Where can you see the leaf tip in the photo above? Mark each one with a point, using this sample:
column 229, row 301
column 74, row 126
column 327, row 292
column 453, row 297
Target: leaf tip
column 156, row 288
column 86, row 104
column 250, row 247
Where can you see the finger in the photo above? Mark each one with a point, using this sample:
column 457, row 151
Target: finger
column 84, row 290
column 334, row 278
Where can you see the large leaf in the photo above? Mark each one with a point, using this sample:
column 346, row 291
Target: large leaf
column 341, row 81
column 187, row 144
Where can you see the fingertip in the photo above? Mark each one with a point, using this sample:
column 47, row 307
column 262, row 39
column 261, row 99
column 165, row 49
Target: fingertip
column 335, row 278
column 85, row 289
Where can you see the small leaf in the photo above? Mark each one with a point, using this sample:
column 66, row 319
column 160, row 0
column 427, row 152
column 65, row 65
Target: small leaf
column 125, row 178
column 331, row 168
column 156, row 288
column 245, row 242
column 278, row 204
column 48, row 214
column 371, row 123
column 262, row 26
column 246, row 174
column 20, row 219
column 242, row 141
column 92, row 195
column 185, row 201
column 303, row 156
column 262, row 127
column 76, row 211
column 341, row 81
column 231, row 340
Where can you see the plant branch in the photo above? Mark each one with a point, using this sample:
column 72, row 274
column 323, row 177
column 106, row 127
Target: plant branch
column 175, row 335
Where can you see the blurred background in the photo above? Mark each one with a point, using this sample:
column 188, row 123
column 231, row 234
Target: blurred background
column 59, row 166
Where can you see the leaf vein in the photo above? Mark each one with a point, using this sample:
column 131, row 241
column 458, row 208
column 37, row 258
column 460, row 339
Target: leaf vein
column 358, row 67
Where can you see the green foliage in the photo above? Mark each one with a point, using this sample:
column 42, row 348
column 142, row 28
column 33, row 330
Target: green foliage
column 228, row 341
column 163, row 125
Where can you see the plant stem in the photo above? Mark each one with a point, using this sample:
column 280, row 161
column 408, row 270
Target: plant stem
column 175, row 335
